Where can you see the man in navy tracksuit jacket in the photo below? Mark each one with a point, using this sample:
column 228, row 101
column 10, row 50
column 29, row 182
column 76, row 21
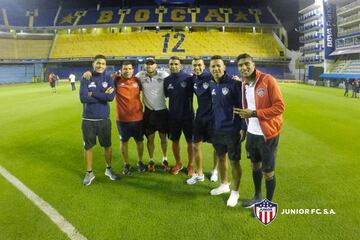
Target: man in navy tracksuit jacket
column 178, row 88
column 95, row 95
column 202, row 125
column 229, row 128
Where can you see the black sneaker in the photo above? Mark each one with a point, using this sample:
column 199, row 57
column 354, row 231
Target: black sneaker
column 127, row 169
column 250, row 203
column 165, row 165
column 141, row 166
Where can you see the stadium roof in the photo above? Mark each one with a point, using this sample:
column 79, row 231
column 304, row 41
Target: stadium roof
column 346, row 51
column 340, row 75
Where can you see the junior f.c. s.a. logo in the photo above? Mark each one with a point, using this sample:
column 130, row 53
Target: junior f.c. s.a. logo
column 265, row 211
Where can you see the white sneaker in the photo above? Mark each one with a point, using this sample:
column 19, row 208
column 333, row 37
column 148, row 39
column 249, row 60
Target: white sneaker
column 233, row 199
column 223, row 188
column 214, row 176
column 195, row 178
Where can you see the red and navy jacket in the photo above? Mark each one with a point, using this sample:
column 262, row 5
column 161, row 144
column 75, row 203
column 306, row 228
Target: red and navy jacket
column 201, row 88
column 225, row 96
column 178, row 88
column 96, row 106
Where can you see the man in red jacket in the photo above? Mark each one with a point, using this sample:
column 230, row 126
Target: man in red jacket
column 129, row 114
column 263, row 106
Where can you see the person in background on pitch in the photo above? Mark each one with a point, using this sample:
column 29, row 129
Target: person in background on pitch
column 72, row 81
column 229, row 129
column 202, row 126
column 52, row 82
column 156, row 113
column 263, row 106
column 129, row 114
column 178, row 88
column 95, row 95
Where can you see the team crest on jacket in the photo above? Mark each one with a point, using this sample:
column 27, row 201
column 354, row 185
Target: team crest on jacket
column 170, row 86
column 104, row 84
column 225, row 90
column 205, row 85
column 183, row 84
column 260, row 92
column 135, row 85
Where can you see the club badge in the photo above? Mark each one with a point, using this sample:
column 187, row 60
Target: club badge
column 265, row 211
column 205, row 85
column 260, row 92
column 225, row 91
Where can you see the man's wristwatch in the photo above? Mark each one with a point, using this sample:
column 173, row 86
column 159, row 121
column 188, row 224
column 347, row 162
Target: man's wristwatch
column 253, row 114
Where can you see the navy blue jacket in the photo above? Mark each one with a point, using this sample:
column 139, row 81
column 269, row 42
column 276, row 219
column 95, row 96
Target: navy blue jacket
column 97, row 105
column 201, row 88
column 225, row 96
column 178, row 88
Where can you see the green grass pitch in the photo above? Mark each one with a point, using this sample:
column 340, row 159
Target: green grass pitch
column 317, row 168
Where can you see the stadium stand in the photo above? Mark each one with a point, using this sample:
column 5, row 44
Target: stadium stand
column 346, row 54
column 14, row 48
column 154, row 44
column 63, row 40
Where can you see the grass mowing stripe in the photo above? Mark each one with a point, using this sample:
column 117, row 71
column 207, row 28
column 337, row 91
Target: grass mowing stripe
column 316, row 167
column 52, row 213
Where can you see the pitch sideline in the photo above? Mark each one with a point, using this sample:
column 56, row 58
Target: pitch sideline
column 45, row 207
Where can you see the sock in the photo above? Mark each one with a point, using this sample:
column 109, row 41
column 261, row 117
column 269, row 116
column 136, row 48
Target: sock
column 270, row 188
column 257, row 178
column 165, row 158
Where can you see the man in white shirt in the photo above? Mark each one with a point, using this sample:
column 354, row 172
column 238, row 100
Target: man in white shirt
column 156, row 113
column 263, row 106
column 72, row 81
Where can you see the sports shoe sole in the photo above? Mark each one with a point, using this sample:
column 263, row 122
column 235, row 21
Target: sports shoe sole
column 177, row 171
column 251, row 205
column 194, row 182
column 89, row 181
column 110, row 176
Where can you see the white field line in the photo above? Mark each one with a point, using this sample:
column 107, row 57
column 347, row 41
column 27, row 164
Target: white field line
column 51, row 212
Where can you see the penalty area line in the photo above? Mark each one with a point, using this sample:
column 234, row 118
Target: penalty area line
column 45, row 207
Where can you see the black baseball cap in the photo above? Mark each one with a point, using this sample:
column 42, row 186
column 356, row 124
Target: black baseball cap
column 150, row 60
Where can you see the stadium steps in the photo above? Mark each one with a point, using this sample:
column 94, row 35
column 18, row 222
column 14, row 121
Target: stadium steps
column 24, row 48
column 152, row 43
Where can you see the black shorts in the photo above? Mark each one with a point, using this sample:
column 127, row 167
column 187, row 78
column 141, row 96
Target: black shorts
column 176, row 127
column 130, row 129
column 202, row 131
column 52, row 84
column 155, row 121
column 228, row 143
column 262, row 151
column 101, row 129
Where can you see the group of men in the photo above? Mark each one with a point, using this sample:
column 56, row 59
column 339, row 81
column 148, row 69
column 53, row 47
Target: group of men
column 354, row 84
column 229, row 109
